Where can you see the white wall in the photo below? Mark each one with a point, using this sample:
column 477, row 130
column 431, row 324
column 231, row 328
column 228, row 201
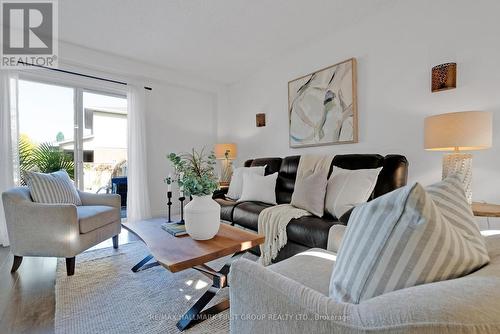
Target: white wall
column 180, row 119
column 181, row 109
column 395, row 50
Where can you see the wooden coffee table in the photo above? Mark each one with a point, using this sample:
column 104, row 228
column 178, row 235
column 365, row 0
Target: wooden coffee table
column 180, row 253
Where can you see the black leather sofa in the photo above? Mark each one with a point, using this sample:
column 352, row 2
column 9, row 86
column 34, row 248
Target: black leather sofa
column 311, row 231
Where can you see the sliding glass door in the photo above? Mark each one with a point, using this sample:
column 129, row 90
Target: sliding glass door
column 104, row 140
column 71, row 127
column 46, row 119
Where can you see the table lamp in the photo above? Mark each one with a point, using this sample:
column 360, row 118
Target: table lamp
column 458, row 132
column 226, row 152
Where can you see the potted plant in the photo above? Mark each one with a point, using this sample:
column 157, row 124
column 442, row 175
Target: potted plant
column 197, row 178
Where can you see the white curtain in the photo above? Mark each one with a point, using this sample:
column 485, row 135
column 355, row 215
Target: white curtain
column 138, row 205
column 9, row 162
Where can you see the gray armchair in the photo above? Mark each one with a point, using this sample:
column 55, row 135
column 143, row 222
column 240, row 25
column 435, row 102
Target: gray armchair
column 292, row 296
column 59, row 230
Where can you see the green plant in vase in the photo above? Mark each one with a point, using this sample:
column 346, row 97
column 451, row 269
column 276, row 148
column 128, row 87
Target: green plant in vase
column 196, row 177
column 195, row 172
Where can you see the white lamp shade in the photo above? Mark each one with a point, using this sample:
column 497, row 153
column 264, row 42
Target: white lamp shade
column 464, row 131
column 221, row 149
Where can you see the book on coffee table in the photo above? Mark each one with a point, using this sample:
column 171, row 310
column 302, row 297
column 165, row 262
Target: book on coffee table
column 174, row 229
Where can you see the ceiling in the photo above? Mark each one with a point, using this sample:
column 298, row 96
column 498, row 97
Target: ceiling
column 222, row 40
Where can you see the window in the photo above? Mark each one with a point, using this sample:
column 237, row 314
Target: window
column 74, row 127
column 46, row 122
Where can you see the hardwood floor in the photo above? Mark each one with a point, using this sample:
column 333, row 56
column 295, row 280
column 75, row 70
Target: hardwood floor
column 27, row 298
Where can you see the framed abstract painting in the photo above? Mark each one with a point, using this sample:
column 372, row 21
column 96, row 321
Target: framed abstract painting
column 322, row 107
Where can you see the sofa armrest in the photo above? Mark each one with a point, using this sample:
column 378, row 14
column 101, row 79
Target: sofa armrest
column 37, row 229
column 113, row 200
column 220, row 193
column 335, row 236
column 263, row 301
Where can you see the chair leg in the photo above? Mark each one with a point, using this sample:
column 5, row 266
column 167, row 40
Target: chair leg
column 70, row 266
column 16, row 264
column 115, row 242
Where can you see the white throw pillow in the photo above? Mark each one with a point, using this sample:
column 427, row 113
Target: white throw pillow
column 259, row 188
column 347, row 188
column 236, row 184
column 405, row 238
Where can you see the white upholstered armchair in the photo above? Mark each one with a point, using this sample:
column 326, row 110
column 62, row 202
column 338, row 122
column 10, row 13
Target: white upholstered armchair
column 59, row 230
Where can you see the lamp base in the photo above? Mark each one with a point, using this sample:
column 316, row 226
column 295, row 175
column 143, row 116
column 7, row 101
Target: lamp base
column 226, row 171
column 459, row 164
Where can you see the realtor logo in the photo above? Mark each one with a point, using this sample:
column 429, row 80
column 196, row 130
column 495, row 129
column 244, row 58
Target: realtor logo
column 29, row 33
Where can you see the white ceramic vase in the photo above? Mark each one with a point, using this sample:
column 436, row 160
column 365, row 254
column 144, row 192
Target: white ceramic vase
column 202, row 217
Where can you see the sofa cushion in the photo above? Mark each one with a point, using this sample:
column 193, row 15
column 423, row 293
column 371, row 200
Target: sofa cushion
column 358, row 161
column 290, row 249
column 226, row 208
column 392, row 176
column 272, row 164
column 312, row 268
column 92, row 217
column 286, row 179
column 310, row 231
column 246, row 214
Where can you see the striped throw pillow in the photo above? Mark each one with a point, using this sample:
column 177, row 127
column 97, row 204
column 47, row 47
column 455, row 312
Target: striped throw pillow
column 449, row 196
column 406, row 238
column 53, row 188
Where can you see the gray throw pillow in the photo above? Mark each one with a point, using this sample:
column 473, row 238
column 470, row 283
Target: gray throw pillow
column 53, row 188
column 309, row 193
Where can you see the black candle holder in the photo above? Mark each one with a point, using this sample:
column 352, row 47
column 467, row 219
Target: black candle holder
column 182, row 199
column 169, row 205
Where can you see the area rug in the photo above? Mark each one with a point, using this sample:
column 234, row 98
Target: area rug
column 105, row 296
